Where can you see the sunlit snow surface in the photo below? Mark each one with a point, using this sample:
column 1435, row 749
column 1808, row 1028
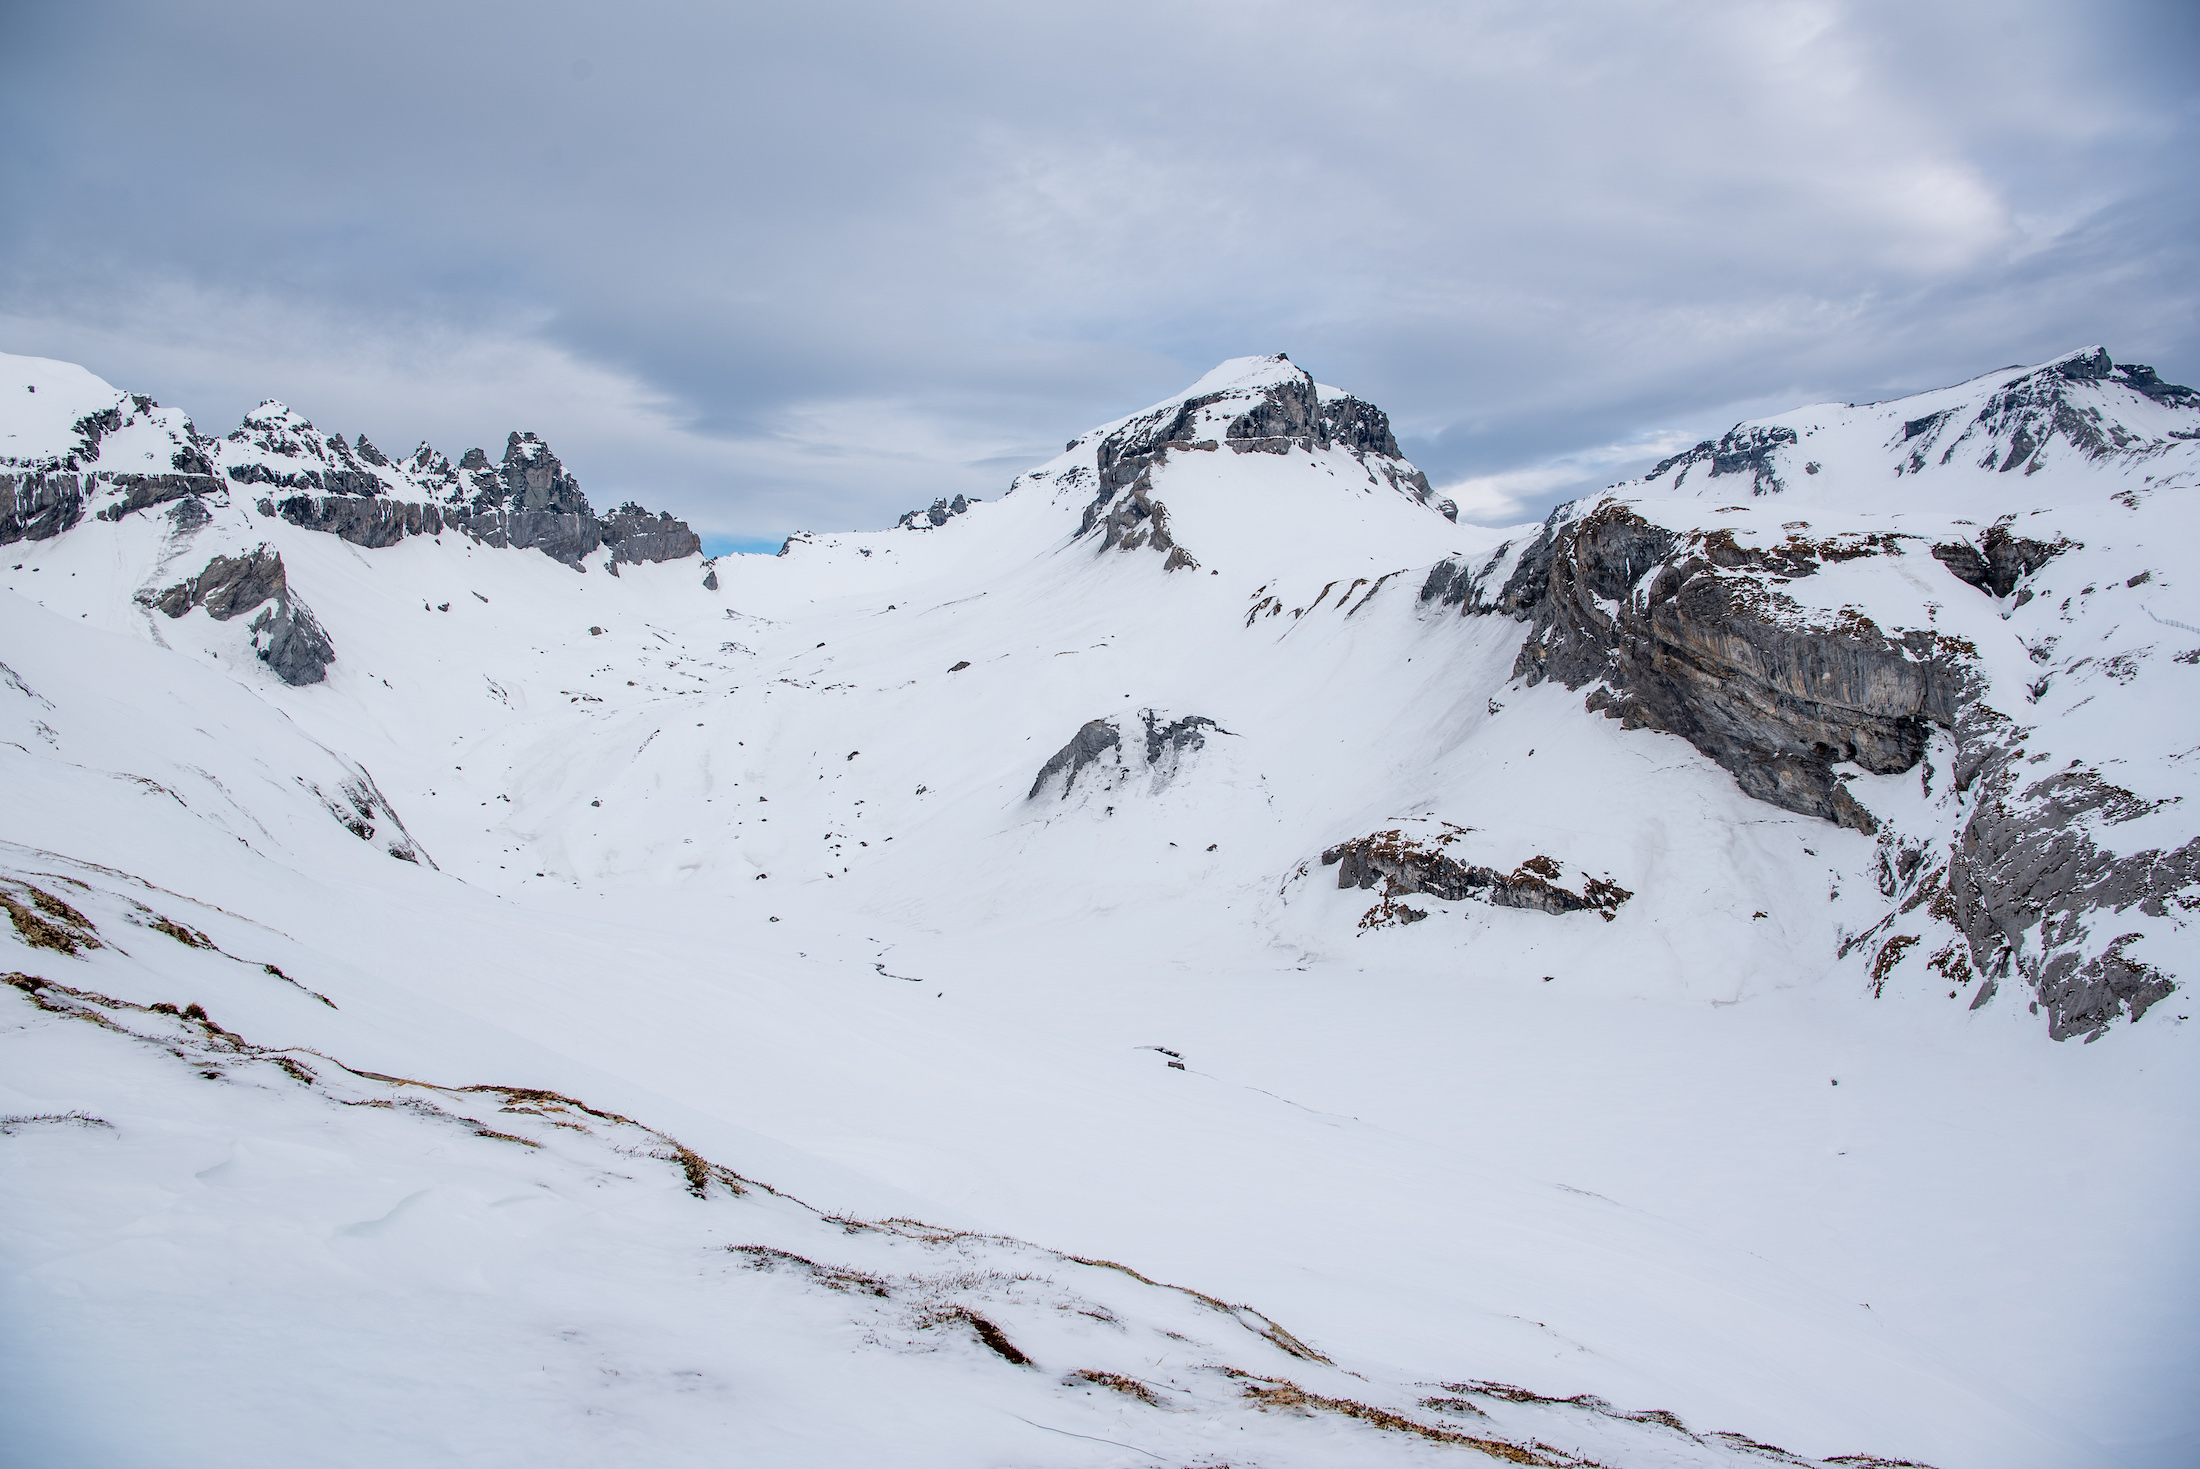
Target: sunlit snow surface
column 753, row 868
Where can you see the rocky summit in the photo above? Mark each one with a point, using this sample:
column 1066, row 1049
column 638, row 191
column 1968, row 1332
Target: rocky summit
column 1199, row 957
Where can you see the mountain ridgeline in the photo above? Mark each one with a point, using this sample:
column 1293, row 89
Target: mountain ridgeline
column 130, row 454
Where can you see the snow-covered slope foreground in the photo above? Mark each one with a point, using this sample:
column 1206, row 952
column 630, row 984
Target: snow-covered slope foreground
column 1609, row 992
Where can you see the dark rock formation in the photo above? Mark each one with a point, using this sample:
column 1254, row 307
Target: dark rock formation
column 361, row 522
column 38, row 507
column 938, row 515
column 1176, row 738
column 142, row 491
column 635, row 535
column 2025, row 884
column 284, row 634
column 228, row 586
column 1999, row 561
column 2061, row 401
column 1744, row 449
column 1355, row 424
column 2144, row 381
column 1405, row 865
column 1099, row 742
column 371, row 522
column 330, row 480
column 533, row 479
column 1285, row 415
column 1688, row 638
column 187, row 515
column 1094, row 739
column 568, row 536
column 560, row 535
column 359, row 805
column 1135, row 520
column 290, row 641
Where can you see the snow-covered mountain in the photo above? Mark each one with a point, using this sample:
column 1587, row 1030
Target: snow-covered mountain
column 1594, row 992
column 73, row 444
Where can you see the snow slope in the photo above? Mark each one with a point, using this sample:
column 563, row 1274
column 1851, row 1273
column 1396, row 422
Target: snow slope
column 762, row 867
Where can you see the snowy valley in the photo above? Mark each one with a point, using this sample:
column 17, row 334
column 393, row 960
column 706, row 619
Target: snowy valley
column 1202, row 959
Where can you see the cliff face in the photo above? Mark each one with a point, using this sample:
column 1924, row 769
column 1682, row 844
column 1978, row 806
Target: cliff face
column 1808, row 658
column 1687, row 634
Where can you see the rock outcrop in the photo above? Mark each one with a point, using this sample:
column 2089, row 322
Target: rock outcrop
column 284, row 633
column 361, row 809
column 1999, row 561
column 529, row 500
column 1688, row 634
column 635, row 535
column 1272, row 407
column 1098, row 745
column 939, row 514
column 366, row 522
column 1403, row 864
column 143, row 491
column 38, row 507
column 2029, row 879
column 1095, row 738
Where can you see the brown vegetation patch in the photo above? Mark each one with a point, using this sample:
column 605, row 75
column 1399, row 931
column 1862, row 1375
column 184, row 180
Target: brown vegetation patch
column 832, row 1277
column 1890, row 954
column 1129, row 1387
column 179, row 933
column 62, row 929
column 1276, row 1392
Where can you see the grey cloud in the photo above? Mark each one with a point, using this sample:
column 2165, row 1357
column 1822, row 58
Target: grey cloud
column 788, row 266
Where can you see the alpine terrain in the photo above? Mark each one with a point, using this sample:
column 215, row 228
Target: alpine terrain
column 1201, row 959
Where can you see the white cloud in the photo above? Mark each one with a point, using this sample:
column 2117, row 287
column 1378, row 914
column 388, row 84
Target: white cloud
column 1505, row 497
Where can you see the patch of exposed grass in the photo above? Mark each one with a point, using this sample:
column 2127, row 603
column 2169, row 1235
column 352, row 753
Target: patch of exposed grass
column 1276, row 1392
column 62, row 930
column 1129, row 1387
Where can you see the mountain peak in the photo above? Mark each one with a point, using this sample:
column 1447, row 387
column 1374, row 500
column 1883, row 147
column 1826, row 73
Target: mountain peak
column 2080, row 407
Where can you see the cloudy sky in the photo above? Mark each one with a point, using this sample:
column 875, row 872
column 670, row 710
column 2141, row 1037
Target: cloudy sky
column 781, row 267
